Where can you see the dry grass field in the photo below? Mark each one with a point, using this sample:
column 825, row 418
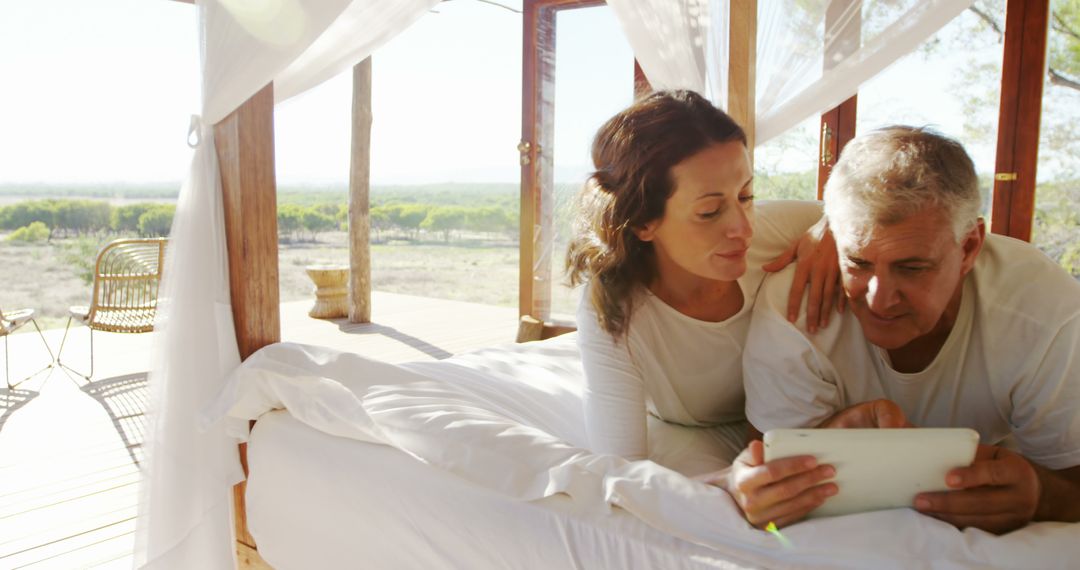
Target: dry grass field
column 47, row 275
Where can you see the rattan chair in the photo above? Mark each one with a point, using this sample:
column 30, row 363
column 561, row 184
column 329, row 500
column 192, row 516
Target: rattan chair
column 126, row 279
column 10, row 322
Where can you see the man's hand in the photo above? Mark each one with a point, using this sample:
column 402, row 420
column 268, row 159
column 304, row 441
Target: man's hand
column 782, row 491
column 817, row 264
column 998, row 493
column 872, row 414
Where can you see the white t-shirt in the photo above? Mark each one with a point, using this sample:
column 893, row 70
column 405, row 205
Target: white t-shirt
column 1011, row 364
column 678, row 368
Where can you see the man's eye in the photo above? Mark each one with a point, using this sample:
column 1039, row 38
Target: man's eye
column 911, row 268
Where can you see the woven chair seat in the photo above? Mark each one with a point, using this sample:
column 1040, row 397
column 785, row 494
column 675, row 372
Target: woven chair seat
column 11, row 320
column 126, row 320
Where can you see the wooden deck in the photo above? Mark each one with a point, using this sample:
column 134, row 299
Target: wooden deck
column 69, row 452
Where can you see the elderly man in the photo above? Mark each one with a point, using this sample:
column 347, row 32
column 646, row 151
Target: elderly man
column 948, row 327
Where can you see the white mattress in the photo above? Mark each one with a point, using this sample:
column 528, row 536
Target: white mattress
column 479, row 462
column 320, row 501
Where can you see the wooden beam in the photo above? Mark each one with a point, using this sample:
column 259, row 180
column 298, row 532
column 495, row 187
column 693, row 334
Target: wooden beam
column 742, row 67
column 1022, row 71
column 359, row 197
column 245, row 149
column 838, row 123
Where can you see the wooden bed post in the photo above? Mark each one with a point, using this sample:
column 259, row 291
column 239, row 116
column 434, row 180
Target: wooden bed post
column 359, row 197
column 1022, row 71
column 742, row 68
column 245, row 149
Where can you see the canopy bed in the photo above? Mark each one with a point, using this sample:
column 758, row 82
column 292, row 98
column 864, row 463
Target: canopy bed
column 582, row 510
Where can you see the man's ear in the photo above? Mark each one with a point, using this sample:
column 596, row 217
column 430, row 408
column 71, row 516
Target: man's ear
column 648, row 231
column 972, row 245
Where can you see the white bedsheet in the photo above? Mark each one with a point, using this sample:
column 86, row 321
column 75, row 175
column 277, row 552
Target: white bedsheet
column 507, row 421
column 319, row 501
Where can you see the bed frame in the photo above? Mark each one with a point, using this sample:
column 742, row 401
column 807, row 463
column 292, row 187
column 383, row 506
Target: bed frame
column 245, row 145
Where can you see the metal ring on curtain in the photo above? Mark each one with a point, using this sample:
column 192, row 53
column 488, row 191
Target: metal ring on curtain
column 194, row 128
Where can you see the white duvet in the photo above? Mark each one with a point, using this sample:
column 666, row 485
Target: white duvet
column 510, row 419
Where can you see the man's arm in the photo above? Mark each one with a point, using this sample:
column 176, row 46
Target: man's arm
column 1002, row 491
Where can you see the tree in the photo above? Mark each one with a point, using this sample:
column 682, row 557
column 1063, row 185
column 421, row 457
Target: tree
column 157, row 221
column 407, row 217
column 126, row 218
column 289, row 220
column 444, row 219
column 380, row 221
column 316, row 222
column 23, row 214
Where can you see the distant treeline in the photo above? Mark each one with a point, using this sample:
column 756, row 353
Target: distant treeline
column 83, row 217
column 404, row 221
column 45, row 219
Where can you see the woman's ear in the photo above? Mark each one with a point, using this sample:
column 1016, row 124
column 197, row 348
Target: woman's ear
column 647, row 232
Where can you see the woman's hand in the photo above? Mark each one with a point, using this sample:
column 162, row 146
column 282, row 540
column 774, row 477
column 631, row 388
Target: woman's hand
column 782, row 491
column 817, row 264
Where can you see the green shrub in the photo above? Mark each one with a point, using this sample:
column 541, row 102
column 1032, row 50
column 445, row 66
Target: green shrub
column 36, row 231
column 126, row 218
column 157, row 221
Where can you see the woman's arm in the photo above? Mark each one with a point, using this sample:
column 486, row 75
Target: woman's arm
column 615, row 414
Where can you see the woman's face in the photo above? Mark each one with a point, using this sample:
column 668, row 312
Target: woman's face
column 708, row 220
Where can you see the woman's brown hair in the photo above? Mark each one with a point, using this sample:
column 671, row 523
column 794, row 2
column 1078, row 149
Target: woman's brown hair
column 633, row 154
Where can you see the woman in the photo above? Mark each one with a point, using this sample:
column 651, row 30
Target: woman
column 666, row 242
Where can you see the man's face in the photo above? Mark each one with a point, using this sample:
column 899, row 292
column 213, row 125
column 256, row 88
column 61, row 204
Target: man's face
column 904, row 278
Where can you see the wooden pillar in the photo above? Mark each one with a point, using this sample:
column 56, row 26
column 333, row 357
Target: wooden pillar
column 838, row 123
column 1022, row 71
column 359, row 197
column 742, row 67
column 245, row 149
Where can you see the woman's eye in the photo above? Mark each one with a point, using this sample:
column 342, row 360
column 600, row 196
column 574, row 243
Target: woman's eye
column 709, row 215
column 746, row 199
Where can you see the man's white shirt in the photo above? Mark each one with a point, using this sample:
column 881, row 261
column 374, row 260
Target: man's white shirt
column 1010, row 366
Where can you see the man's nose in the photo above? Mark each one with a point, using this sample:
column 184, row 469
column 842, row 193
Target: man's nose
column 881, row 294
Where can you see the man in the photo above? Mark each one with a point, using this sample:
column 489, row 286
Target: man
column 948, row 327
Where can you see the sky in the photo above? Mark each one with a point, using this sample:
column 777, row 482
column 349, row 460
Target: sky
column 107, row 88
column 102, row 91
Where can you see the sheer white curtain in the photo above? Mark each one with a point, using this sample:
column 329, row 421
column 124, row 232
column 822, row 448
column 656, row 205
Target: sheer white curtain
column 792, row 80
column 185, row 508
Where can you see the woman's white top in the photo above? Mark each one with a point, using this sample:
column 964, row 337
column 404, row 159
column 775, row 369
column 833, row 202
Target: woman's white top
column 678, row 368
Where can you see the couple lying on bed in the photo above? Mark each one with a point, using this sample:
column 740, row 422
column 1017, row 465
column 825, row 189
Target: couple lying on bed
column 947, row 327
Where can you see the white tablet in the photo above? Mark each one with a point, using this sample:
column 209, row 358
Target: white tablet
column 878, row 468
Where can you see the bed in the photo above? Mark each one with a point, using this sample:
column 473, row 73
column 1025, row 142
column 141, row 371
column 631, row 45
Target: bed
column 478, row 462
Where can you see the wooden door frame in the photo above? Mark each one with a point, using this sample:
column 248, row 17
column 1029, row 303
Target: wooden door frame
column 1023, row 70
column 537, row 158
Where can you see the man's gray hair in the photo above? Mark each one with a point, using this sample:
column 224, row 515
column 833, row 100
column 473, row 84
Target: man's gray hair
column 889, row 174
